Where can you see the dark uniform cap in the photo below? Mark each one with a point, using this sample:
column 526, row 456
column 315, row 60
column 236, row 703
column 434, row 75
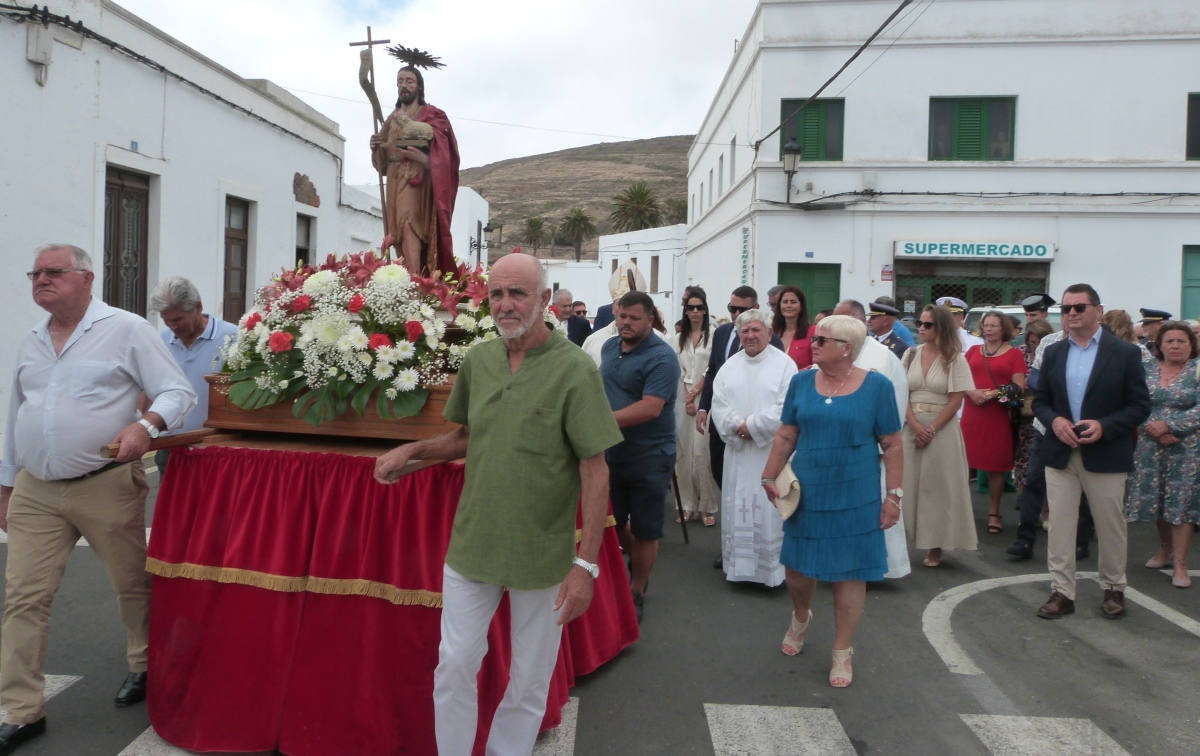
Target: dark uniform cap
column 1154, row 316
column 1037, row 302
column 878, row 308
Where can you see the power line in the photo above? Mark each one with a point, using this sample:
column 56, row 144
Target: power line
column 889, row 47
column 845, row 65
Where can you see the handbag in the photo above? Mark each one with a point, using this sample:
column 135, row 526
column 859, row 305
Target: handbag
column 789, row 491
column 1015, row 408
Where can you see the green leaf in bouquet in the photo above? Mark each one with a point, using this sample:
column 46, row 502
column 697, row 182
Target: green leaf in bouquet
column 383, row 405
column 241, row 391
column 409, row 403
column 362, row 395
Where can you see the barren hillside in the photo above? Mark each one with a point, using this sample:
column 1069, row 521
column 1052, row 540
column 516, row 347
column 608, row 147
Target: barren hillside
column 550, row 185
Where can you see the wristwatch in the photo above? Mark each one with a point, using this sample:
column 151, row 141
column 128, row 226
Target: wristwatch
column 592, row 569
column 897, row 492
column 150, row 427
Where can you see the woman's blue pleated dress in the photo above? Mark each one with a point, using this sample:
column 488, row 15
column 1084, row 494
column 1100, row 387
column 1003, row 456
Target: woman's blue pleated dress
column 834, row 534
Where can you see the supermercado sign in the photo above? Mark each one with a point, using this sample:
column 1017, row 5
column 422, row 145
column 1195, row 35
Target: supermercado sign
column 974, row 250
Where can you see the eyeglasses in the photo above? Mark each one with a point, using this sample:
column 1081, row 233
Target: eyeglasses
column 581, row 313
column 1078, row 307
column 925, row 324
column 820, row 340
column 736, row 310
column 52, row 272
column 698, row 308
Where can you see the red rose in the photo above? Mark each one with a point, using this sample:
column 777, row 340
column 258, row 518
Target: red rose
column 300, row 304
column 253, row 320
column 280, row 341
column 415, row 329
column 356, row 303
column 379, row 341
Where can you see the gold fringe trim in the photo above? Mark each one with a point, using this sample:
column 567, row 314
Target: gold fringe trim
column 609, row 523
column 267, row 581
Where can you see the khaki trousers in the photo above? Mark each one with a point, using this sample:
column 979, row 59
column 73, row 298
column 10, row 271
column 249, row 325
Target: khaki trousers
column 45, row 519
column 1106, row 497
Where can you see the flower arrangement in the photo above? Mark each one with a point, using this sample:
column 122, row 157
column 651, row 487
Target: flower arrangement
column 329, row 338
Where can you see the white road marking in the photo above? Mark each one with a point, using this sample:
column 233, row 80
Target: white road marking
column 80, row 542
column 150, row 744
column 561, row 740
column 1042, row 736
column 936, row 619
column 781, row 730
column 55, row 684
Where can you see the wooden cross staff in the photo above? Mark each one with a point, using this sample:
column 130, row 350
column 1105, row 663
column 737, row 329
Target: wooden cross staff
column 366, row 78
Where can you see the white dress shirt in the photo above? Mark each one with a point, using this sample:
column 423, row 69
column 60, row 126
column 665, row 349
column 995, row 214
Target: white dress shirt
column 64, row 407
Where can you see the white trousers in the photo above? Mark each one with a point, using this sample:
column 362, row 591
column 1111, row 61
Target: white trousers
column 467, row 610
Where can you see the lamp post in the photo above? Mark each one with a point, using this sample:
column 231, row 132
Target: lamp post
column 478, row 245
column 791, row 156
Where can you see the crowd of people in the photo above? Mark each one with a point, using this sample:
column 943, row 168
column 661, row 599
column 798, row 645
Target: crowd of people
column 833, row 445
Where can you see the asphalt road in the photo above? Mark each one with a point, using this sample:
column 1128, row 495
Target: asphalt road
column 708, row 677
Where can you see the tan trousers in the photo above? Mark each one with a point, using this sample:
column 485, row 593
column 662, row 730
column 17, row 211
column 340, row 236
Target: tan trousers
column 45, row 519
column 1106, row 496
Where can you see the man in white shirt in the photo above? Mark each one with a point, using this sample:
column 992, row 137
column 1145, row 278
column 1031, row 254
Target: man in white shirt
column 75, row 389
column 958, row 308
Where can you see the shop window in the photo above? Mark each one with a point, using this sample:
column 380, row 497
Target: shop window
column 962, row 128
column 817, row 128
column 126, row 213
column 1193, row 127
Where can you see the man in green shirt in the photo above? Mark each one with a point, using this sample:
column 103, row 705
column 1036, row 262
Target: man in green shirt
column 534, row 427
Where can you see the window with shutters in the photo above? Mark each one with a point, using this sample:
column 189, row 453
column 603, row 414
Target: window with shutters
column 972, row 128
column 1193, row 127
column 126, row 212
column 817, row 128
column 237, row 237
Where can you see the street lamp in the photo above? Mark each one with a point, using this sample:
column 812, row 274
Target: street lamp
column 478, row 245
column 791, row 156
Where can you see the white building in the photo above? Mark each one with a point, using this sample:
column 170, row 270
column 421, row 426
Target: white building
column 984, row 155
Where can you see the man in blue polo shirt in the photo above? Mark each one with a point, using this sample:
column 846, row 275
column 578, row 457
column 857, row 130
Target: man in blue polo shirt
column 641, row 376
column 194, row 339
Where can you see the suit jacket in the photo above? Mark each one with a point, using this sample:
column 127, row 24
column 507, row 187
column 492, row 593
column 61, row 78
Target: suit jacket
column 894, row 343
column 1116, row 395
column 717, row 357
column 578, row 330
column 603, row 317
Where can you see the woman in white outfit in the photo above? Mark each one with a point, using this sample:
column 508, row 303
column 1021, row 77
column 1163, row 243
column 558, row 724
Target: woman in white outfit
column 697, row 489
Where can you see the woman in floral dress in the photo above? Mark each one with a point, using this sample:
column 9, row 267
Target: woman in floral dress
column 1165, row 487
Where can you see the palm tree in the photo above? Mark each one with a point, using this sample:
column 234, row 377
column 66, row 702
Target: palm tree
column 577, row 227
column 676, row 211
column 637, row 208
column 533, row 233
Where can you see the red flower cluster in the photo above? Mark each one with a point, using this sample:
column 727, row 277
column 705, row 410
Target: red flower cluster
column 280, row 342
column 299, row 304
column 379, row 341
column 356, row 303
column 253, row 320
column 414, row 329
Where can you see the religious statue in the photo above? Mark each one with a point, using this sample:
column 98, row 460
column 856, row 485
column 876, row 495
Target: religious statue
column 416, row 151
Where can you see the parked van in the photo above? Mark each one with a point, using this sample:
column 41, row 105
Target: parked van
column 975, row 314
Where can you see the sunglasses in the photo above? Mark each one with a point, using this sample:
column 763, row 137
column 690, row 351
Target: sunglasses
column 925, row 324
column 820, row 340
column 581, row 313
column 52, row 272
column 696, row 308
column 735, row 310
column 1078, row 308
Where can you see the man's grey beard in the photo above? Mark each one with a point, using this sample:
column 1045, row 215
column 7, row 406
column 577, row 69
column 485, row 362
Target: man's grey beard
column 522, row 329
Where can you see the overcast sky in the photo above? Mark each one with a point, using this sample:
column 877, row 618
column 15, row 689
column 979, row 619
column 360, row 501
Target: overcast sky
column 612, row 68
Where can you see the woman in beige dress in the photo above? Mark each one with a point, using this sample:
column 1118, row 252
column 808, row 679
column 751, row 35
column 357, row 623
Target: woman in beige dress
column 937, row 503
column 697, row 489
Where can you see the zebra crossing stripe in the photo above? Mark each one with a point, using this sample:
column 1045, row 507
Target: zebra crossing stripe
column 776, row 731
column 55, row 684
column 1038, row 736
column 561, row 740
column 150, row 744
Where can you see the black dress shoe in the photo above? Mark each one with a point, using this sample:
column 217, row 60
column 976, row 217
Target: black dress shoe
column 1021, row 550
column 1082, row 552
column 718, row 564
column 132, row 691
column 12, row 735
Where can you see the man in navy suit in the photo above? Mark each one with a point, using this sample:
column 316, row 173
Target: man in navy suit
column 578, row 329
column 725, row 344
column 1091, row 396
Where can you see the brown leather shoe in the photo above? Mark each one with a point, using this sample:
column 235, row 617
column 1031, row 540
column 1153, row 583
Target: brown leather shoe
column 1057, row 607
column 1114, row 604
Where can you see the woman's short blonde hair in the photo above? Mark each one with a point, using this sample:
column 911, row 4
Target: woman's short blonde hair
column 845, row 328
column 753, row 316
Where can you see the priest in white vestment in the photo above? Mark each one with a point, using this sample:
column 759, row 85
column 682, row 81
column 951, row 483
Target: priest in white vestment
column 748, row 396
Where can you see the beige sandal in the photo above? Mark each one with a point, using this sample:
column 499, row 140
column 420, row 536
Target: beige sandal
column 793, row 639
column 841, row 675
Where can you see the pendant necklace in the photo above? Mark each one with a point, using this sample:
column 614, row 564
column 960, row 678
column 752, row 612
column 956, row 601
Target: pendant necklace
column 829, row 399
column 987, row 353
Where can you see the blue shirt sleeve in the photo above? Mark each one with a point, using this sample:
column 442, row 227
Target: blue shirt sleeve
column 790, row 415
column 662, row 376
column 887, row 418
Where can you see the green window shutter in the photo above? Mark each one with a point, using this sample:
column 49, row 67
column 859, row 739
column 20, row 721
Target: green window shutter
column 969, row 130
column 810, row 131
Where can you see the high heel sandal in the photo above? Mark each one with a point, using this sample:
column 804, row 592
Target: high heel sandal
column 1157, row 564
column 841, row 675
column 992, row 528
column 793, row 639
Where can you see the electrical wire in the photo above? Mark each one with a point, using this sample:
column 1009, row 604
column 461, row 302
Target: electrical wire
column 889, row 47
column 870, row 196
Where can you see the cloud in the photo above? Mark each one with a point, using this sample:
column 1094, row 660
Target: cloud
column 632, row 68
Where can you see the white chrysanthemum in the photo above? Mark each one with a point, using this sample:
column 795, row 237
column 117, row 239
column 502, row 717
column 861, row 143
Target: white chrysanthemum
column 390, row 393
column 426, row 312
column 331, row 371
column 405, row 351
column 406, row 380
column 387, row 354
column 328, row 329
column 320, row 283
column 486, row 323
column 382, row 370
column 431, row 341
column 365, row 358
column 358, row 338
column 391, row 274
column 472, row 307
column 466, row 322
column 438, row 326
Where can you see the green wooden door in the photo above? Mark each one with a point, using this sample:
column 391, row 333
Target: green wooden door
column 1191, row 282
column 821, row 283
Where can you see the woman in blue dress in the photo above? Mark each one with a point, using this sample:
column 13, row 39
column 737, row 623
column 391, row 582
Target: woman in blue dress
column 836, row 419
